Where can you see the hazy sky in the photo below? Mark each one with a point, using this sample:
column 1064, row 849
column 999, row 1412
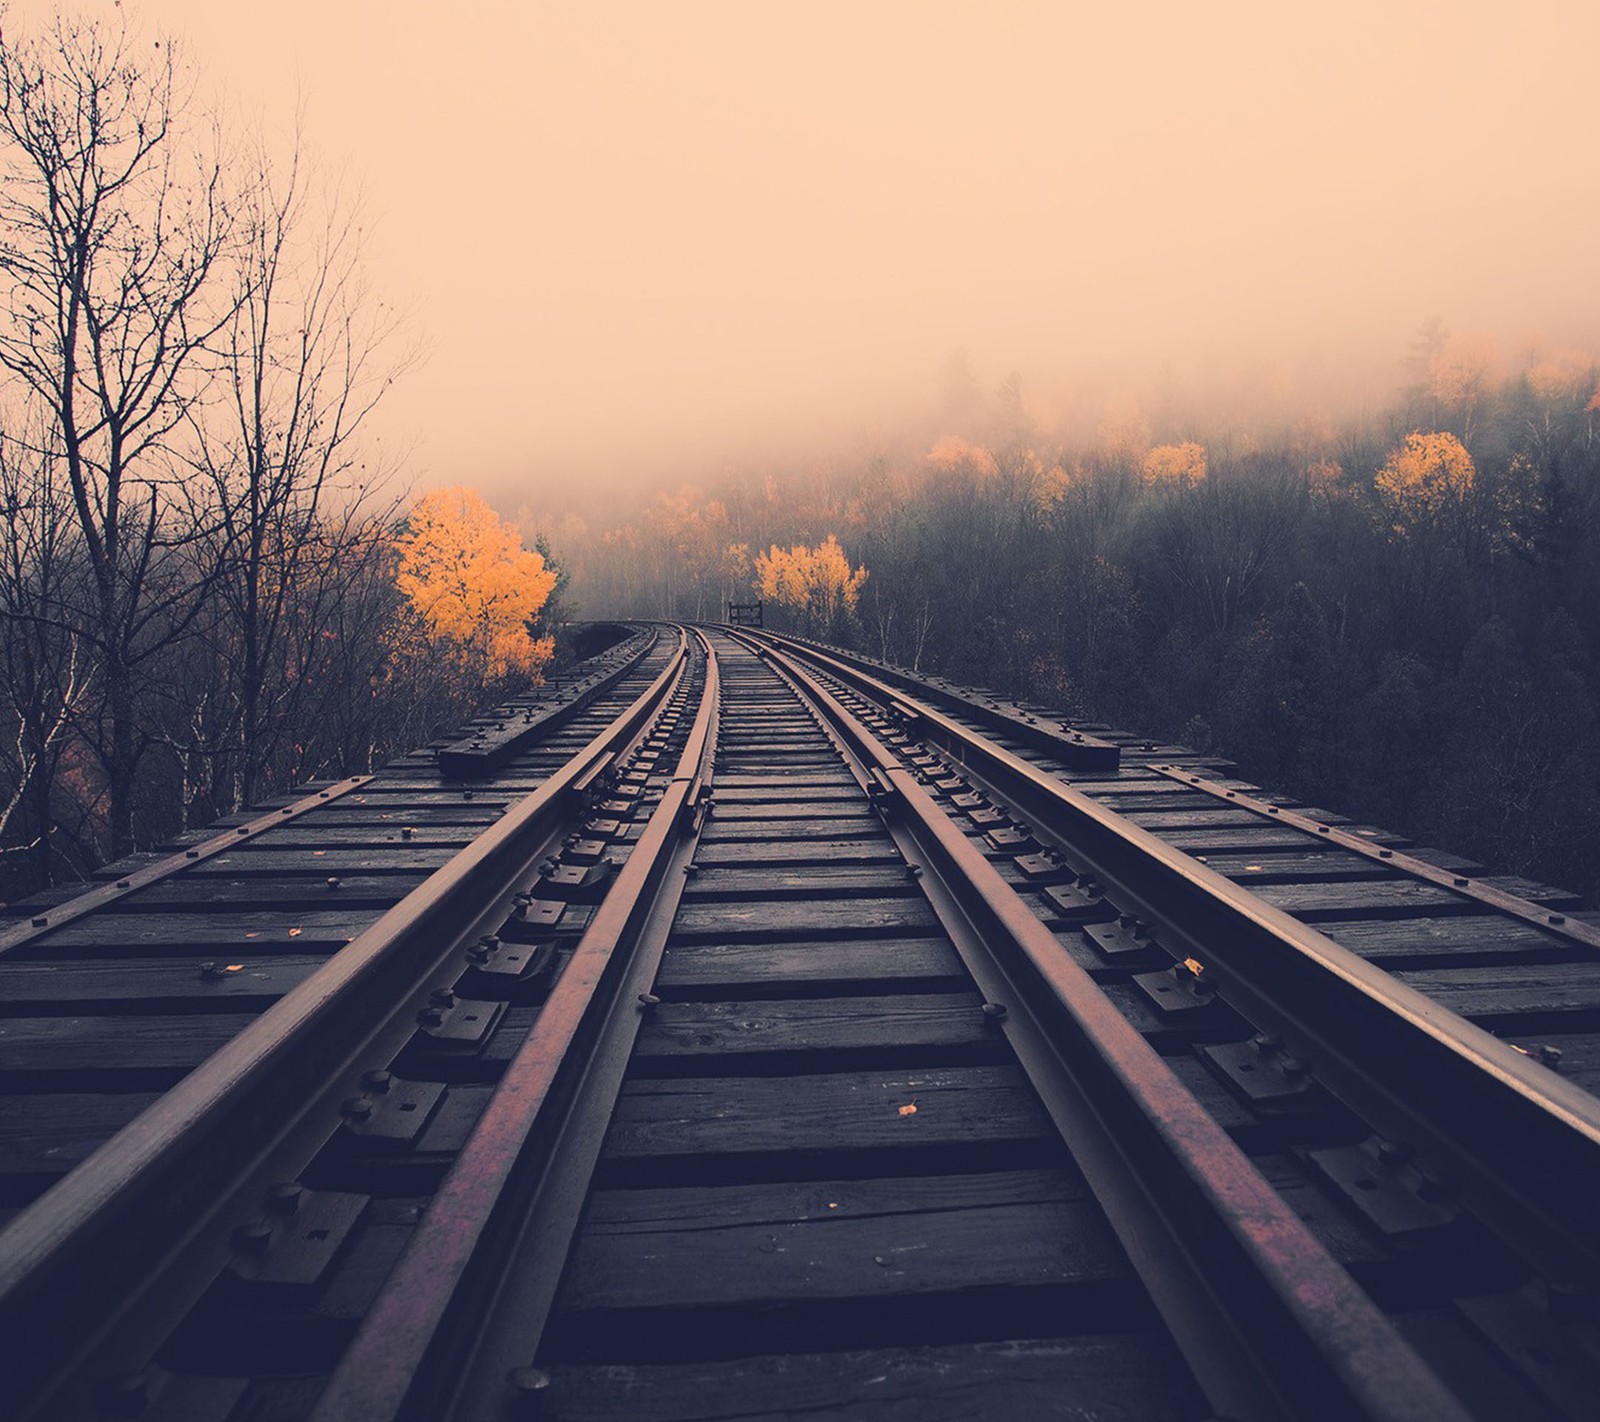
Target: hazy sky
column 633, row 233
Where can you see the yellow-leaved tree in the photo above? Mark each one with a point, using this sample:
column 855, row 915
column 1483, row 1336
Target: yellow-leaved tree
column 817, row 583
column 1427, row 482
column 1179, row 464
column 475, row 586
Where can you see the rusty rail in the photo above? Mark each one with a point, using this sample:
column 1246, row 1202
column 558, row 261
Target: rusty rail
column 149, row 1196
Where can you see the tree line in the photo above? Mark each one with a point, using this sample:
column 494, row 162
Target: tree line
column 1396, row 617
column 209, row 591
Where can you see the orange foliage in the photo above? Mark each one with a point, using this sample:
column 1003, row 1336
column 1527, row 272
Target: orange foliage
column 954, row 455
column 1562, row 376
column 1324, row 473
column 475, row 586
column 817, row 582
column 1428, row 477
column 1180, row 464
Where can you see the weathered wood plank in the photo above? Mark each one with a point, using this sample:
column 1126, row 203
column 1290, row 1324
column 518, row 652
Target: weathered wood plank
column 777, row 969
column 706, row 1030
column 820, row 918
column 145, row 984
column 748, row 832
column 767, row 1245
column 42, row 1137
column 773, row 882
column 143, row 1050
column 1391, row 942
column 1396, row 898
column 1090, row 1379
column 185, row 933
column 1562, row 994
column 980, row 1106
column 871, row 848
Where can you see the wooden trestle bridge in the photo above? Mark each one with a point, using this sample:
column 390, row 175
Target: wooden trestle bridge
column 738, row 1028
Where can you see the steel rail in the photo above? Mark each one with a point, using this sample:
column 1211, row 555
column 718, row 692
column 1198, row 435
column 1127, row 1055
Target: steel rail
column 154, row 1189
column 488, row 1253
column 1270, row 1324
column 1520, row 1144
column 1466, row 886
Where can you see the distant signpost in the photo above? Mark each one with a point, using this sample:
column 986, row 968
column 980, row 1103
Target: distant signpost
column 744, row 614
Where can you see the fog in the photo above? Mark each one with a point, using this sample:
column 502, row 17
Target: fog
column 649, row 241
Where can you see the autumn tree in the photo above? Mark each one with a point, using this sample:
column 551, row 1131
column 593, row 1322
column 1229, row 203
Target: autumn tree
column 1179, row 466
column 817, row 584
column 1426, row 483
column 476, row 589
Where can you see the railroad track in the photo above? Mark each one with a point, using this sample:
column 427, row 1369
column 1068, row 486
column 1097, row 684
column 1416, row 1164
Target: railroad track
column 821, row 1040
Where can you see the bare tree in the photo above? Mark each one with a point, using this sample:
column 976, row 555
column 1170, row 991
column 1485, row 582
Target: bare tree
column 306, row 357
column 113, row 233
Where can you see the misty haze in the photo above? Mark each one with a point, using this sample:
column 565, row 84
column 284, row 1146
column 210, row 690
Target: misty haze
column 1194, row 401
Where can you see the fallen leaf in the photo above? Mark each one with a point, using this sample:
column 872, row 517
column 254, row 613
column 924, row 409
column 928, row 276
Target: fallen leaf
column 909, row 1109
column 252, row 935
column 1194, row 965
column 235, row 967
column 294, row 933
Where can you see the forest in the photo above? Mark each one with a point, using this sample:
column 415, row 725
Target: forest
column 218, row 585
column 1393, row 615
column 212, row 589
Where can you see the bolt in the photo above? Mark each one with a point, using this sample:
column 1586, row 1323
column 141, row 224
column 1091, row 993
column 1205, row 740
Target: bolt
column 211, row 972
column 529, row 1385
column 356, row 1108
column 1291, row 1067
column 1393, row 1152
column 333, row 881
column 283, row 1197
column 377, row 1079
column 1550, row 1056
column 252, row 1238
column 649, row 999
column 430, row 1017
column 442, row 997
column 995, row 1011
column 406, row 832
column 1265, row 1043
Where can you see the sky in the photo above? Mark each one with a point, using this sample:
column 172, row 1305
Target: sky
column 645, row 239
